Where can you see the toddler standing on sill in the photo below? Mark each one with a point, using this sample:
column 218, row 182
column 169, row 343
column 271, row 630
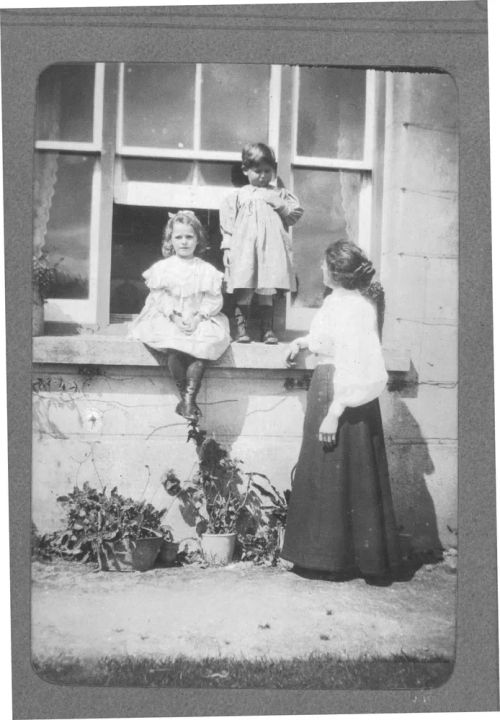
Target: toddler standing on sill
column 257, row 249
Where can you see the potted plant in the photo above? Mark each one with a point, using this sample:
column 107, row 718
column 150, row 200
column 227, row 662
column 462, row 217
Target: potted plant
column 263, row 543
column 217, row 501
column 116, row 532
column 42, row 279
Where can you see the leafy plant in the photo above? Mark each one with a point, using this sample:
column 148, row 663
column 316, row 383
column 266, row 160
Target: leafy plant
column 215, row 499
column 94, row 517
column 222, row 498
column 43, row 275
column 264, row 545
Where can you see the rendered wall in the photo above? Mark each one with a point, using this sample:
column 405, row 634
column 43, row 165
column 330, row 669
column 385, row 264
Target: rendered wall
column 420, row 272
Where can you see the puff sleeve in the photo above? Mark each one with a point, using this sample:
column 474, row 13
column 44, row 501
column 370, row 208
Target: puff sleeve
column 345, row 329
column 211, row 302
column 227, row 217
column 159, row 297
column 286, row 204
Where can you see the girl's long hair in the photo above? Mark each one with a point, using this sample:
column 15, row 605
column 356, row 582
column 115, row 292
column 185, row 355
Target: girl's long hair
column 185, row 217
column 349, row 267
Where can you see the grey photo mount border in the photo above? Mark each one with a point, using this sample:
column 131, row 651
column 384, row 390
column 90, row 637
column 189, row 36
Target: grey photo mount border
column 446, row 36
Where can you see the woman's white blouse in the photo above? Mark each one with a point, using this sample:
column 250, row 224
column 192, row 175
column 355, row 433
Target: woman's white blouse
column 344, row 333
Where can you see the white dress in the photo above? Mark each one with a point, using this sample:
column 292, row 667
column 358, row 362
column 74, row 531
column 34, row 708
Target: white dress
column 185, row 287
column 254, row 224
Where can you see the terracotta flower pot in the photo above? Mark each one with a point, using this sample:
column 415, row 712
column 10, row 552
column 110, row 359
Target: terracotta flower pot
column 168, row 552
column 218, row 549
column 128, row 555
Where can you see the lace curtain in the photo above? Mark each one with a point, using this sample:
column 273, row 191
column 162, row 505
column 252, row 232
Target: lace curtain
column 45, row 170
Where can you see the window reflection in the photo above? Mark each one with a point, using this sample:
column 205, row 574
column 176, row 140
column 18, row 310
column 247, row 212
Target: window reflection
column 158, row 105
column 65, row 99
column 63, row 191
column 155, row 170
column 331, row 118
column 332, row 201
column 234, row 106
column 221, row 174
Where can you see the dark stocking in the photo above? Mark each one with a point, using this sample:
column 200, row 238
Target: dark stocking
column 266, row 315
column 177, row 364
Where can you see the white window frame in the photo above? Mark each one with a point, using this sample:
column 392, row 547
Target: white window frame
column 299, row 318
column 83, row 310
column 208, row 197
column 95, row 145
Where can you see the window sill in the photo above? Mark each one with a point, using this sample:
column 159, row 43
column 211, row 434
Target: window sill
column 90, row 349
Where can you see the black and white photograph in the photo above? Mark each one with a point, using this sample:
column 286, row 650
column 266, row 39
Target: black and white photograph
column 244, row 375
column 245, row 456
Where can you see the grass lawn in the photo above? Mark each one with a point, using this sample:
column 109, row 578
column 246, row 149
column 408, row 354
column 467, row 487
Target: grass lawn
column 324, row 672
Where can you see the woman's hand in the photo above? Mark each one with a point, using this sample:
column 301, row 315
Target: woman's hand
column 328, row 430
column 226, row 257
column 292, row 351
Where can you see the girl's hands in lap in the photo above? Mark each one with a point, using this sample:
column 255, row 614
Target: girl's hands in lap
column 187, row 326
column 191, row 324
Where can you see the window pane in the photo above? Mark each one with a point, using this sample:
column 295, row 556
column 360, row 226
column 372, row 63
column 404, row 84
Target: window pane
column 63, row 198
column 158, row 105
column 221, row 174
column 234, row 106
column 65, row 103
column 332, row 202
column 157, row 171
column 331, row 118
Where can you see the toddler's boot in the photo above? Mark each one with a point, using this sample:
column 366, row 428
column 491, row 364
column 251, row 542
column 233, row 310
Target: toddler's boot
column 241, row 317
column 181, row 405
column 267, row 335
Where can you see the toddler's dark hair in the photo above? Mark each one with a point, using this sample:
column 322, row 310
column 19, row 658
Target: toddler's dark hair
column 255, row 153
column 350, row 268
column 185, row 217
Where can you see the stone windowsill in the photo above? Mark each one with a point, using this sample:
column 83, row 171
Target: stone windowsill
column 90, row 349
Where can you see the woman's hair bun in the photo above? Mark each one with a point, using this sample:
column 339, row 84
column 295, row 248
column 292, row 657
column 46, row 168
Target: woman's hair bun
column 364, row 272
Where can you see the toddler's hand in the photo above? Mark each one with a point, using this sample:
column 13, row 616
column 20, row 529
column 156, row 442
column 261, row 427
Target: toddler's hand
column 274, row 199
column 226, row 258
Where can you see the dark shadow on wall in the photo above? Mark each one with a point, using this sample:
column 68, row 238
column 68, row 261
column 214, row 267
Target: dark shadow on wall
column 409, row 464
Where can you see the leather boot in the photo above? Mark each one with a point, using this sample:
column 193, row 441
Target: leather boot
column 267, row 335
column 194, row 376
column 241, row 317
column 176, row 362
column 181, row 405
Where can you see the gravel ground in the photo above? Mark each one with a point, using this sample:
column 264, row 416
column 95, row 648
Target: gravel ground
column 240, row 611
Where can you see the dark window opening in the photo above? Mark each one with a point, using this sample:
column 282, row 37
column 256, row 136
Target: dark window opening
column 136, row 245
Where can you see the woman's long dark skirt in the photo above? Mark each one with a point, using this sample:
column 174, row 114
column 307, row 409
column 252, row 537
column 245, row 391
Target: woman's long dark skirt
column 341, row 517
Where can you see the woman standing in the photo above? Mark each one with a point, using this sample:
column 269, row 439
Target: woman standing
column 341, row 517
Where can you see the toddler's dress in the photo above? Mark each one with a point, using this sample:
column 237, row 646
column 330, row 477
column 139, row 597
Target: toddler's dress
column 185, row 287
column 254, row 224
column 341, row 515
